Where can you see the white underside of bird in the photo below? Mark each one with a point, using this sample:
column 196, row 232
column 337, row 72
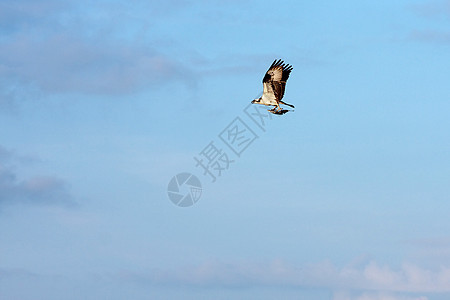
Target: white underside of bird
column 268, row 99
column 274, row 83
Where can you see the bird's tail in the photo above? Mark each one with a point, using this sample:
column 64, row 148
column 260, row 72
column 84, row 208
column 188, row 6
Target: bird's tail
column 287, row 104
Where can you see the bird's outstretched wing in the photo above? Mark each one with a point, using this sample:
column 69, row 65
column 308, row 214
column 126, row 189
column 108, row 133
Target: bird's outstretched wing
column 276, row 77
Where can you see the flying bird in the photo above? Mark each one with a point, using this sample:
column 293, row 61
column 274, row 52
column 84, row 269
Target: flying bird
column 274, row 83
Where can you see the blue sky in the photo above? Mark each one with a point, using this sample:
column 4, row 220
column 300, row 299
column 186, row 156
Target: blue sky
column 102, row 103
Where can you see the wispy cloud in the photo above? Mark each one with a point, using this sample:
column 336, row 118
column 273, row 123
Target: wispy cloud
column 67, row 64
column 16, row 273
column 434, row 11
column 431, row 36
column 374, row 296
column 40, row 190
column 435, row 242
column 26, row 14
column 56, row 47
column 371, row 277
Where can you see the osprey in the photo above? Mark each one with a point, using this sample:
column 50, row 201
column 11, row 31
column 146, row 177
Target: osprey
column 274, row 83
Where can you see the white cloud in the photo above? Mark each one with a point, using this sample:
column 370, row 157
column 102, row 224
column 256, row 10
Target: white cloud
column 371, row 277
column 41, row 189
column 60, row 47
column 375, row 296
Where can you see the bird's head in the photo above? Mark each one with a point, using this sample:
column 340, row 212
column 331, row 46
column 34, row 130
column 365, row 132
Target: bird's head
column 257, row 100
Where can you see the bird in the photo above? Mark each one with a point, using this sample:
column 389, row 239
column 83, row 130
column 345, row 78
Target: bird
column 274, row 83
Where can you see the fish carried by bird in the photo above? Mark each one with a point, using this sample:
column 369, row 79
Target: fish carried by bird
column 274, row 83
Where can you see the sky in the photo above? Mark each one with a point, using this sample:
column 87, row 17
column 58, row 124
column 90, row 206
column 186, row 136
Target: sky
column 103, row 103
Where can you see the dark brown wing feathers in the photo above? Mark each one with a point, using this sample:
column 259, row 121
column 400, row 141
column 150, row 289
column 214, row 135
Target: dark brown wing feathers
column 277, row 82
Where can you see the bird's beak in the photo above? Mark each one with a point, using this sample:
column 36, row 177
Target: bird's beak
column 253, row 101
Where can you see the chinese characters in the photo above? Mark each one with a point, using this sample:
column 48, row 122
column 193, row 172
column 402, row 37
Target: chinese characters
column 214, row 159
